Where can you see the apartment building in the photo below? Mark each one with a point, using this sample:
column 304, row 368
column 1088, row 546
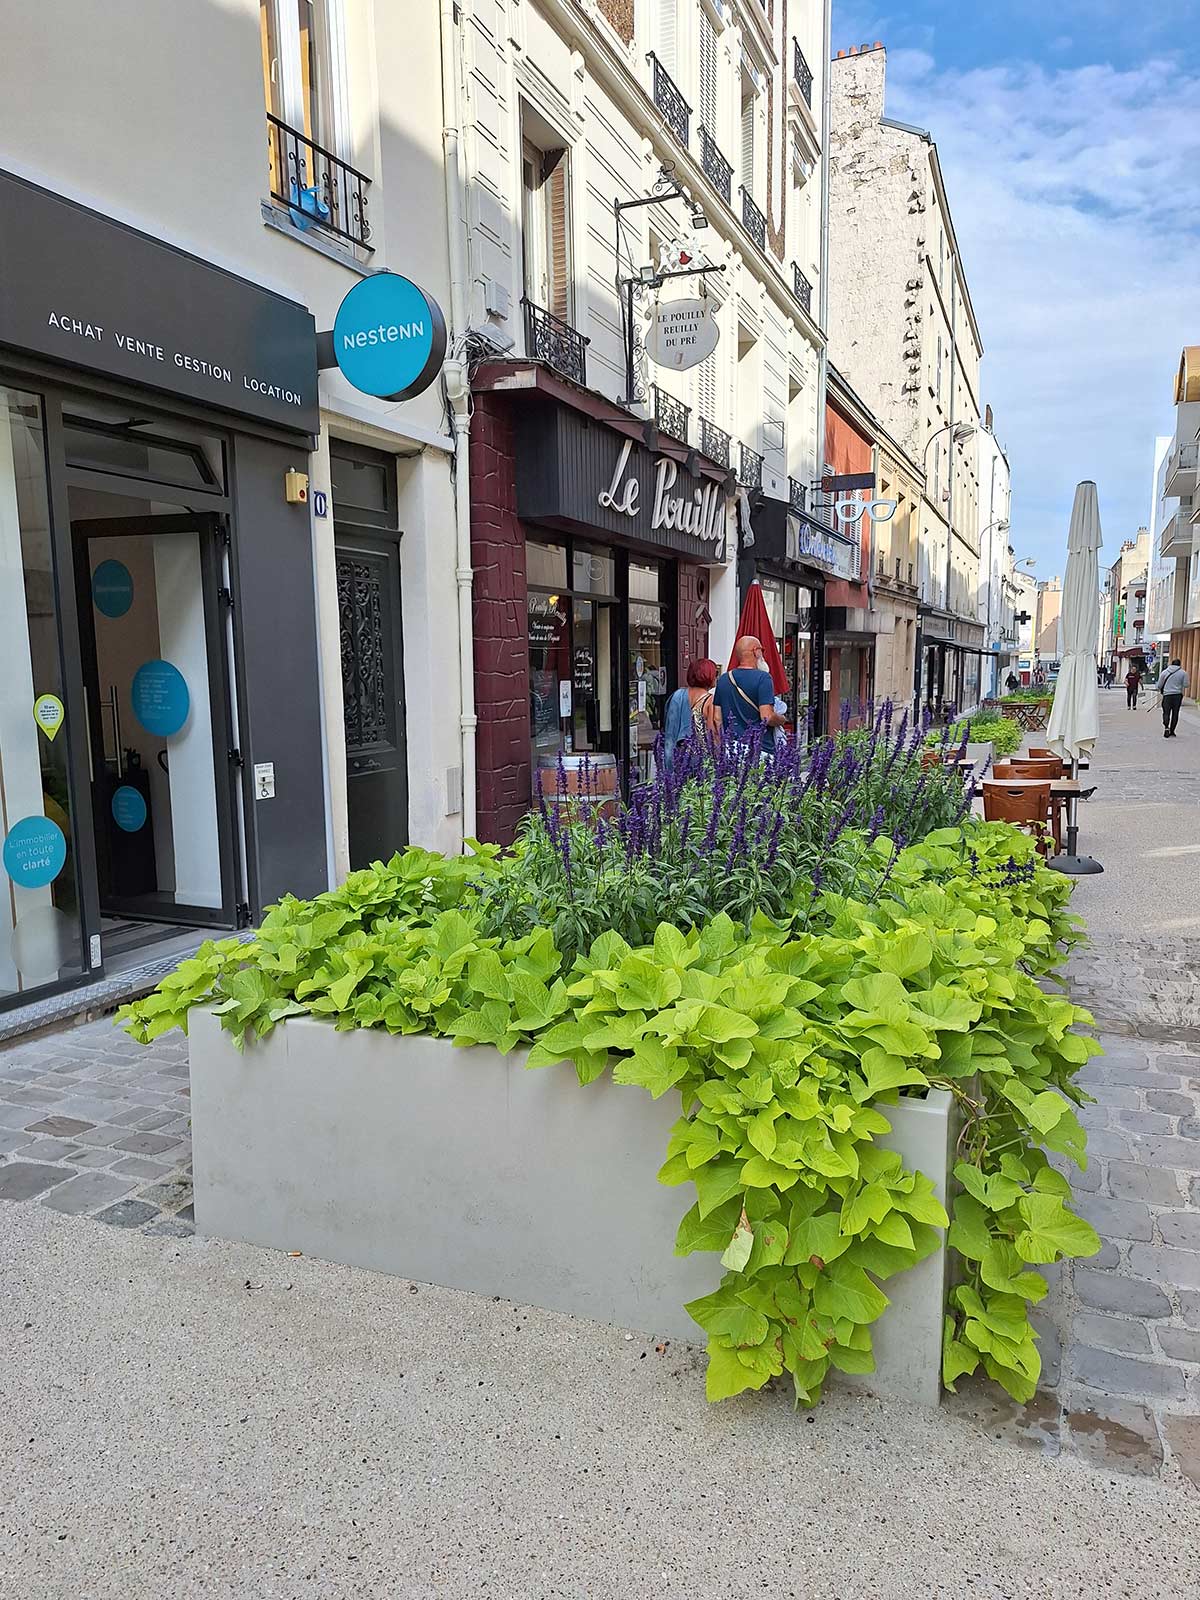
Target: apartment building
column 1160, row 598
column 996, row 595
column 1179, row 540
column 1124, row 601
column 230, row 583
column 903, row 332
column 623, row 489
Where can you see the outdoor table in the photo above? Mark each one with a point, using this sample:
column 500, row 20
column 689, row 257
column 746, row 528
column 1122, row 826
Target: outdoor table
column 1068, row 791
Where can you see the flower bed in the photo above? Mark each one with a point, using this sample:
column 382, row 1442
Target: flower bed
column 786, row 994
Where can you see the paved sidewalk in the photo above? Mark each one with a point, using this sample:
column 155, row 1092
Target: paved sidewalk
column 92, row 1124
column 1129, row 1319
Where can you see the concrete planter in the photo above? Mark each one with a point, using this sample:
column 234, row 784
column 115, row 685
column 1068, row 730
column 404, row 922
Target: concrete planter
column 339, row 1145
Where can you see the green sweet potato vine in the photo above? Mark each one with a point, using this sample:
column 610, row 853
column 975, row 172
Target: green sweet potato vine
column 787, row 1042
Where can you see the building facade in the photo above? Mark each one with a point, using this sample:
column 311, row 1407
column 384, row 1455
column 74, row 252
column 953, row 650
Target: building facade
column 1123, row 602
column 231, row 643
column 609, row 150
column 903, row 332
column 1160, row 598
column 996, row 591
column 1179, row 540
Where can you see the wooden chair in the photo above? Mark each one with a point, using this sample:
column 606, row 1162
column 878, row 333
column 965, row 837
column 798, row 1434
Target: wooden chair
column 1041, row 767
column 1028, row 806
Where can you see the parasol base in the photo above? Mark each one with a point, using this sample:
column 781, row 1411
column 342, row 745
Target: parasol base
column 1075, row 866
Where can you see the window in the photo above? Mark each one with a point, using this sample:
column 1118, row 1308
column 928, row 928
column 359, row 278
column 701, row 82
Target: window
column 301, row 65
column 708, row 76
column 939, row 367
column 545, row 227
column 666, row 33
column 748, row 110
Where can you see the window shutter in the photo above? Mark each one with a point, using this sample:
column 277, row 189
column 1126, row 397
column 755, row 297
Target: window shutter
column 558, row 233
column 748, row 145
column 708, row 76
column 665, row 48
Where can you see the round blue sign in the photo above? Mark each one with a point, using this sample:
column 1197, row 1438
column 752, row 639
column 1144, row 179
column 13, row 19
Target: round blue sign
column 160, row 698
column 129, row 808
column 35, row 852
column 112, row 588
column 389, row 337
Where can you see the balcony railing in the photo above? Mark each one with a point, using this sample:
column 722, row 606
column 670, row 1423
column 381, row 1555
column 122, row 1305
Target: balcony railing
column 548, row 338
column 714, row 442
column 802, row 288
column 750, row 468
column 753, row 221
column 319, row 189
column 797, row 495
column 671, row 415
column 676, row 112
column 716, row 169
column 1181, row 463
column 803, row 75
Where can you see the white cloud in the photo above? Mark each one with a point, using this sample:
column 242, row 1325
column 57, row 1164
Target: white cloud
column 1077, row 206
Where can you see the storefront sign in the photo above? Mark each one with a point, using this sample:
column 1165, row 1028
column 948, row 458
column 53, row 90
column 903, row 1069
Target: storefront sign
column 83, row 289
column 49, row 714
column 574, row 472
column 35, row 852
column 160, row 698
column 112, row 588
column 808, row 542
column 682, row 333
column 389, row 337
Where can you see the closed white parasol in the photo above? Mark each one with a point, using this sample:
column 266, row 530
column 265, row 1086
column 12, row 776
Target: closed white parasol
column 1075, row 715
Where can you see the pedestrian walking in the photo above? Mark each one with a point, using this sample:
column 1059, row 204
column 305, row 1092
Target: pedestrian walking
column 1133, row 682
column 745, row 695
column 1172, row 687
column 1012, row 683
column 692, row 709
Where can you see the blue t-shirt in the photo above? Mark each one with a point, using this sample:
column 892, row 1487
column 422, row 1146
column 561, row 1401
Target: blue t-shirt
column 737, row 717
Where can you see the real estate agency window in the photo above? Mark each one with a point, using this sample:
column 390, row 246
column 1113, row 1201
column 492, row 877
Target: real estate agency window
column 546, row 217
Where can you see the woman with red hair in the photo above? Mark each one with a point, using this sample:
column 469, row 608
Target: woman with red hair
column 692, row 709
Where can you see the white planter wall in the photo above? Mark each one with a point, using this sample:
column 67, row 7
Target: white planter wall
column 463, row 1168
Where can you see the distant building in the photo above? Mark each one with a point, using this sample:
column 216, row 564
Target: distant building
column 1160, row 598
column 1123, row 603
column 1178, row 540
column 1047, row 624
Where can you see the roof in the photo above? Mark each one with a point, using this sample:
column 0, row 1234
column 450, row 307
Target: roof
column 1187, row 381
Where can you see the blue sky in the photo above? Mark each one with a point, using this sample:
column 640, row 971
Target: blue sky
column 1069, row 135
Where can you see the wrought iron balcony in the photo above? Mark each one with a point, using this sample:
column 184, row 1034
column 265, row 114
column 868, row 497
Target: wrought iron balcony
column 319, row 190
column 797, row 495
column 802, row 288
column 675, row 110
column 750, row 468
column 671, row 415
column 548, row 338
column 716, row 169
column 753, row 220
column 714, row 442
column 803, row 74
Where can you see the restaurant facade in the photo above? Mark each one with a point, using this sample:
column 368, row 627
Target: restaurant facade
column 595, row 545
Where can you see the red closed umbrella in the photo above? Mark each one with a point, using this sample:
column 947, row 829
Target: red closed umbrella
column 755, row 623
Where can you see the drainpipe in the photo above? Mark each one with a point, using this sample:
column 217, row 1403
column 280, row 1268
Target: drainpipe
column 458, row 394
column 823, row 255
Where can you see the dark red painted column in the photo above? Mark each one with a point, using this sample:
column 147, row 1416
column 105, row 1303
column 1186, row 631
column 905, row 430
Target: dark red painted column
column 503, row 777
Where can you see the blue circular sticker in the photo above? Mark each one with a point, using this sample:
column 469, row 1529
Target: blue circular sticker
column 35, row 852
column 160, row 698
column 129, row 808
column 389, row 337
column 112, row 588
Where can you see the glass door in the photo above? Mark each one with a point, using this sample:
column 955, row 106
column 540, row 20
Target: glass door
column 647, row 668
column 41, row 922
column 153, row 660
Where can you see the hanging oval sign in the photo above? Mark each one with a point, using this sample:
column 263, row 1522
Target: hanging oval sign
column 682, row 333
column 389, row 337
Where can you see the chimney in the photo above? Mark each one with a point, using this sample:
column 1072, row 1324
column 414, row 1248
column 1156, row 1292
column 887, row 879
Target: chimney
column 987, row 418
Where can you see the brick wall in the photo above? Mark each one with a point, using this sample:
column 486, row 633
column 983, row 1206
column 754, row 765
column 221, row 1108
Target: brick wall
column 504, row 778
column 620, row 14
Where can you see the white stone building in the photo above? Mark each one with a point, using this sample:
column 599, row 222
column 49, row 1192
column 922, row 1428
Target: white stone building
column 903, row 331
column 1179, row 539
column 190, row 192
column 1160, row 599
column 996, row 593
